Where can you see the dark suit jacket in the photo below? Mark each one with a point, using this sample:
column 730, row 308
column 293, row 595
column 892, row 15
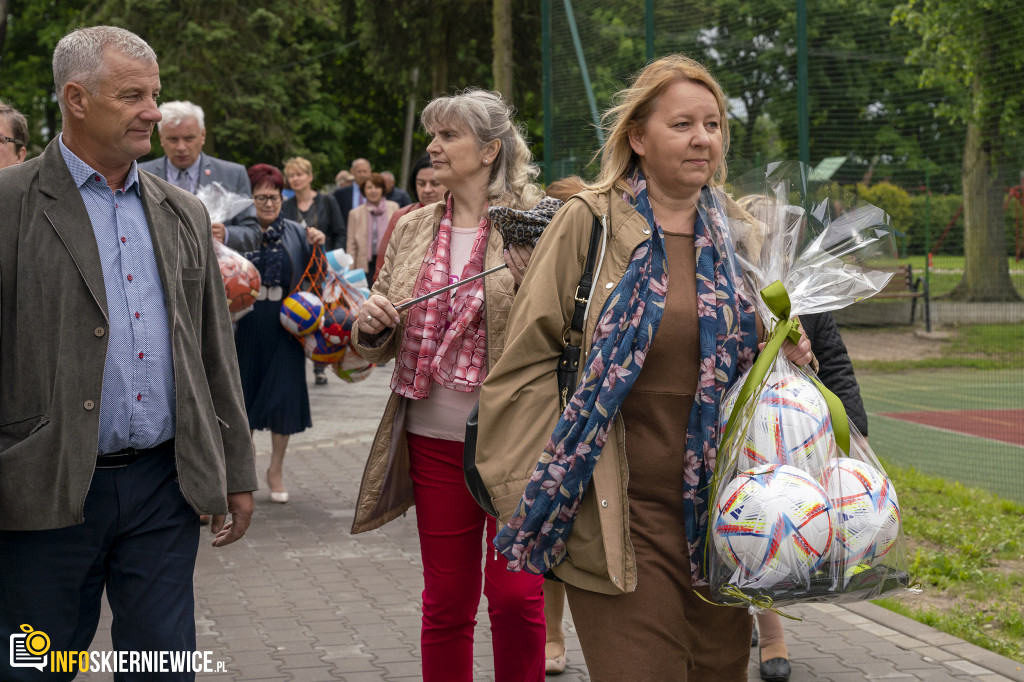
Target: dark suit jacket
column 53, row 342
column 234, row 178
column 399, row 196
column 344, row 198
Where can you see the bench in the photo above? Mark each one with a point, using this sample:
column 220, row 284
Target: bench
column 903, row 285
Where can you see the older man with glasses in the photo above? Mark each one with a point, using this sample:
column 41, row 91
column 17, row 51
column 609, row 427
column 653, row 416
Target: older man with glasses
column 13, row 136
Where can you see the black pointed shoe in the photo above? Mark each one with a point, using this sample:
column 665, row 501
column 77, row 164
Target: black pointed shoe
column 775, row 670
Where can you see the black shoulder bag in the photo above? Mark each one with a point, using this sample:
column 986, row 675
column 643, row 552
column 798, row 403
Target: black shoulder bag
column 568, row 366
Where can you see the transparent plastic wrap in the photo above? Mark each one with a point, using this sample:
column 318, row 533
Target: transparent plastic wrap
column 802, row 509
column 221, row 204
column 241, row 280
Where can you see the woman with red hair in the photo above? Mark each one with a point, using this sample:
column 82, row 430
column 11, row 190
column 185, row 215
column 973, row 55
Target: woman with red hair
column 271, row 362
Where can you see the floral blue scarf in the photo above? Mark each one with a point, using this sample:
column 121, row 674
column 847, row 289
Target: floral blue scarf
column 534, row 539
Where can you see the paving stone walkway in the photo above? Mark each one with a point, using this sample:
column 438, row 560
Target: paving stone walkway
column 301, row 599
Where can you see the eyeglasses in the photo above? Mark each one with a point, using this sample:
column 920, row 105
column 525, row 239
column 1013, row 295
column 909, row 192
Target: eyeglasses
column 267, row 198
column 4, row 140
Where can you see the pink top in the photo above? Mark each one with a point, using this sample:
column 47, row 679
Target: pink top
column 443, row 413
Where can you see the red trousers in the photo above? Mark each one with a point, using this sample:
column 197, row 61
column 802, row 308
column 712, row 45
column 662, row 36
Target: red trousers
column 451, row 528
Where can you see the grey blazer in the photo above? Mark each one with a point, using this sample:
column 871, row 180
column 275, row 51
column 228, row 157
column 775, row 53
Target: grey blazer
column 53, row 342
column 235, row 179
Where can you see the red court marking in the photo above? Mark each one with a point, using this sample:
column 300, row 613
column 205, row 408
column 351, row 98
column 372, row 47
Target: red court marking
column 1002, row 425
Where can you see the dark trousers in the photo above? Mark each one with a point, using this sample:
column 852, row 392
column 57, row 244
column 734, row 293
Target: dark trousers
column 139, row 541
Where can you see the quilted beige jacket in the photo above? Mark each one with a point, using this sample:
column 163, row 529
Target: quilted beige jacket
column 386, row 489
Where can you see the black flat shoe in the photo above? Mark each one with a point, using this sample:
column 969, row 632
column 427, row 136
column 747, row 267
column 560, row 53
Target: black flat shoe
column 775, row 670
column 754, row 639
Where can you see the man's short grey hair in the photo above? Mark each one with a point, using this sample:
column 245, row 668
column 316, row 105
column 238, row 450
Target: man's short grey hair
column 176, row 113
column 78, row 56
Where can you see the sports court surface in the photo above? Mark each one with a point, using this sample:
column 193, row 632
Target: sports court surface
column 963, row 425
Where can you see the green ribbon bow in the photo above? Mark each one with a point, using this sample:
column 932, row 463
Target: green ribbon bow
column 777, row 298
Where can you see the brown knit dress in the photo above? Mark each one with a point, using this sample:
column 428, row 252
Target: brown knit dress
column 662, row 631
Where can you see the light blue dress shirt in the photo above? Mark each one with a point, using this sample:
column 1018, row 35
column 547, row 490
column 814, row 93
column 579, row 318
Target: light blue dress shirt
column 137, row 408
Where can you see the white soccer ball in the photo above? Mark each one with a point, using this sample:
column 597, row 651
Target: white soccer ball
column 773, row 524
column 867, row 511
column 790, row 425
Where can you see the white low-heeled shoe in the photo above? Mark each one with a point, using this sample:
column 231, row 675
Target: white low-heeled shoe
column 280, row 498
column 554, row 659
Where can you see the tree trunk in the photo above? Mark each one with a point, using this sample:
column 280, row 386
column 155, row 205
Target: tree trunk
column 502, row 46
column 410, row 124
column 5, row 8
column 986, row 268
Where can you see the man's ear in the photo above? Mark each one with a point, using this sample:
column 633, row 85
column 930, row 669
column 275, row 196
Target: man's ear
column 76, row 99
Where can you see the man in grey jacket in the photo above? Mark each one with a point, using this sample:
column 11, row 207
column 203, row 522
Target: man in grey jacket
column 182, row 130
column 121, row 410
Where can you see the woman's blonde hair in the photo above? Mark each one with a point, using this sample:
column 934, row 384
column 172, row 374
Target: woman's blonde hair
column 299, row 164
column 565, row 188
column 635, row 105
column 488, row 117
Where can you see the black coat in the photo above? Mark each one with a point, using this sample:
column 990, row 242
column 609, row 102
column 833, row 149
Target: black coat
column 328, row 219
column 834, row 366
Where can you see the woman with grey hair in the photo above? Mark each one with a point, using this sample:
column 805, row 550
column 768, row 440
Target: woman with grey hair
column 443, row 348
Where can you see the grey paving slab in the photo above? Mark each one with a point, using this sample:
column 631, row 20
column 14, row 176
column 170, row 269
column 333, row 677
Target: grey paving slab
column 301, row 599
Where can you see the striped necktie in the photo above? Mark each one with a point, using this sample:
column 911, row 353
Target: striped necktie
column 183, row 181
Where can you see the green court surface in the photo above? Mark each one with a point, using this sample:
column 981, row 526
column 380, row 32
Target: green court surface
column 948, row 452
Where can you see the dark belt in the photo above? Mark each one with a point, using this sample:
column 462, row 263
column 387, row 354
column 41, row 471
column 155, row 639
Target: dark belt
column 122, row 458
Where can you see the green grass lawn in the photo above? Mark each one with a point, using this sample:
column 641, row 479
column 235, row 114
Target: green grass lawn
column 966, row 549
column 965, row 544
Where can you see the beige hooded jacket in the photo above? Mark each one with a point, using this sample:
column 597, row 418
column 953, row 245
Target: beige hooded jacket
column 519, row 400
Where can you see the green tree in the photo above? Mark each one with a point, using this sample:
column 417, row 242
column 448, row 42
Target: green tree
column 864, row 101
column 968, row 49
column 255, row 70
column 26, row 76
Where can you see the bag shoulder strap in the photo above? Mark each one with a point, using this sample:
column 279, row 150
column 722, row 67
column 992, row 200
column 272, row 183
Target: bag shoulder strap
column 586, row 286
column 569, row 362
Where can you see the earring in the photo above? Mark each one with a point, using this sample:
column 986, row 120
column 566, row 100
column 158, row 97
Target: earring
column 487, row 160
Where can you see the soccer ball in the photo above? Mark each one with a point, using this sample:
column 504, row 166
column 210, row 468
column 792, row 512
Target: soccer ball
column 241, row 282
column 774, row 524
column 790, row 425
column 866, row 508
column 337, row 325
column 301, row 313
column 321, row 349
column 352, row 367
